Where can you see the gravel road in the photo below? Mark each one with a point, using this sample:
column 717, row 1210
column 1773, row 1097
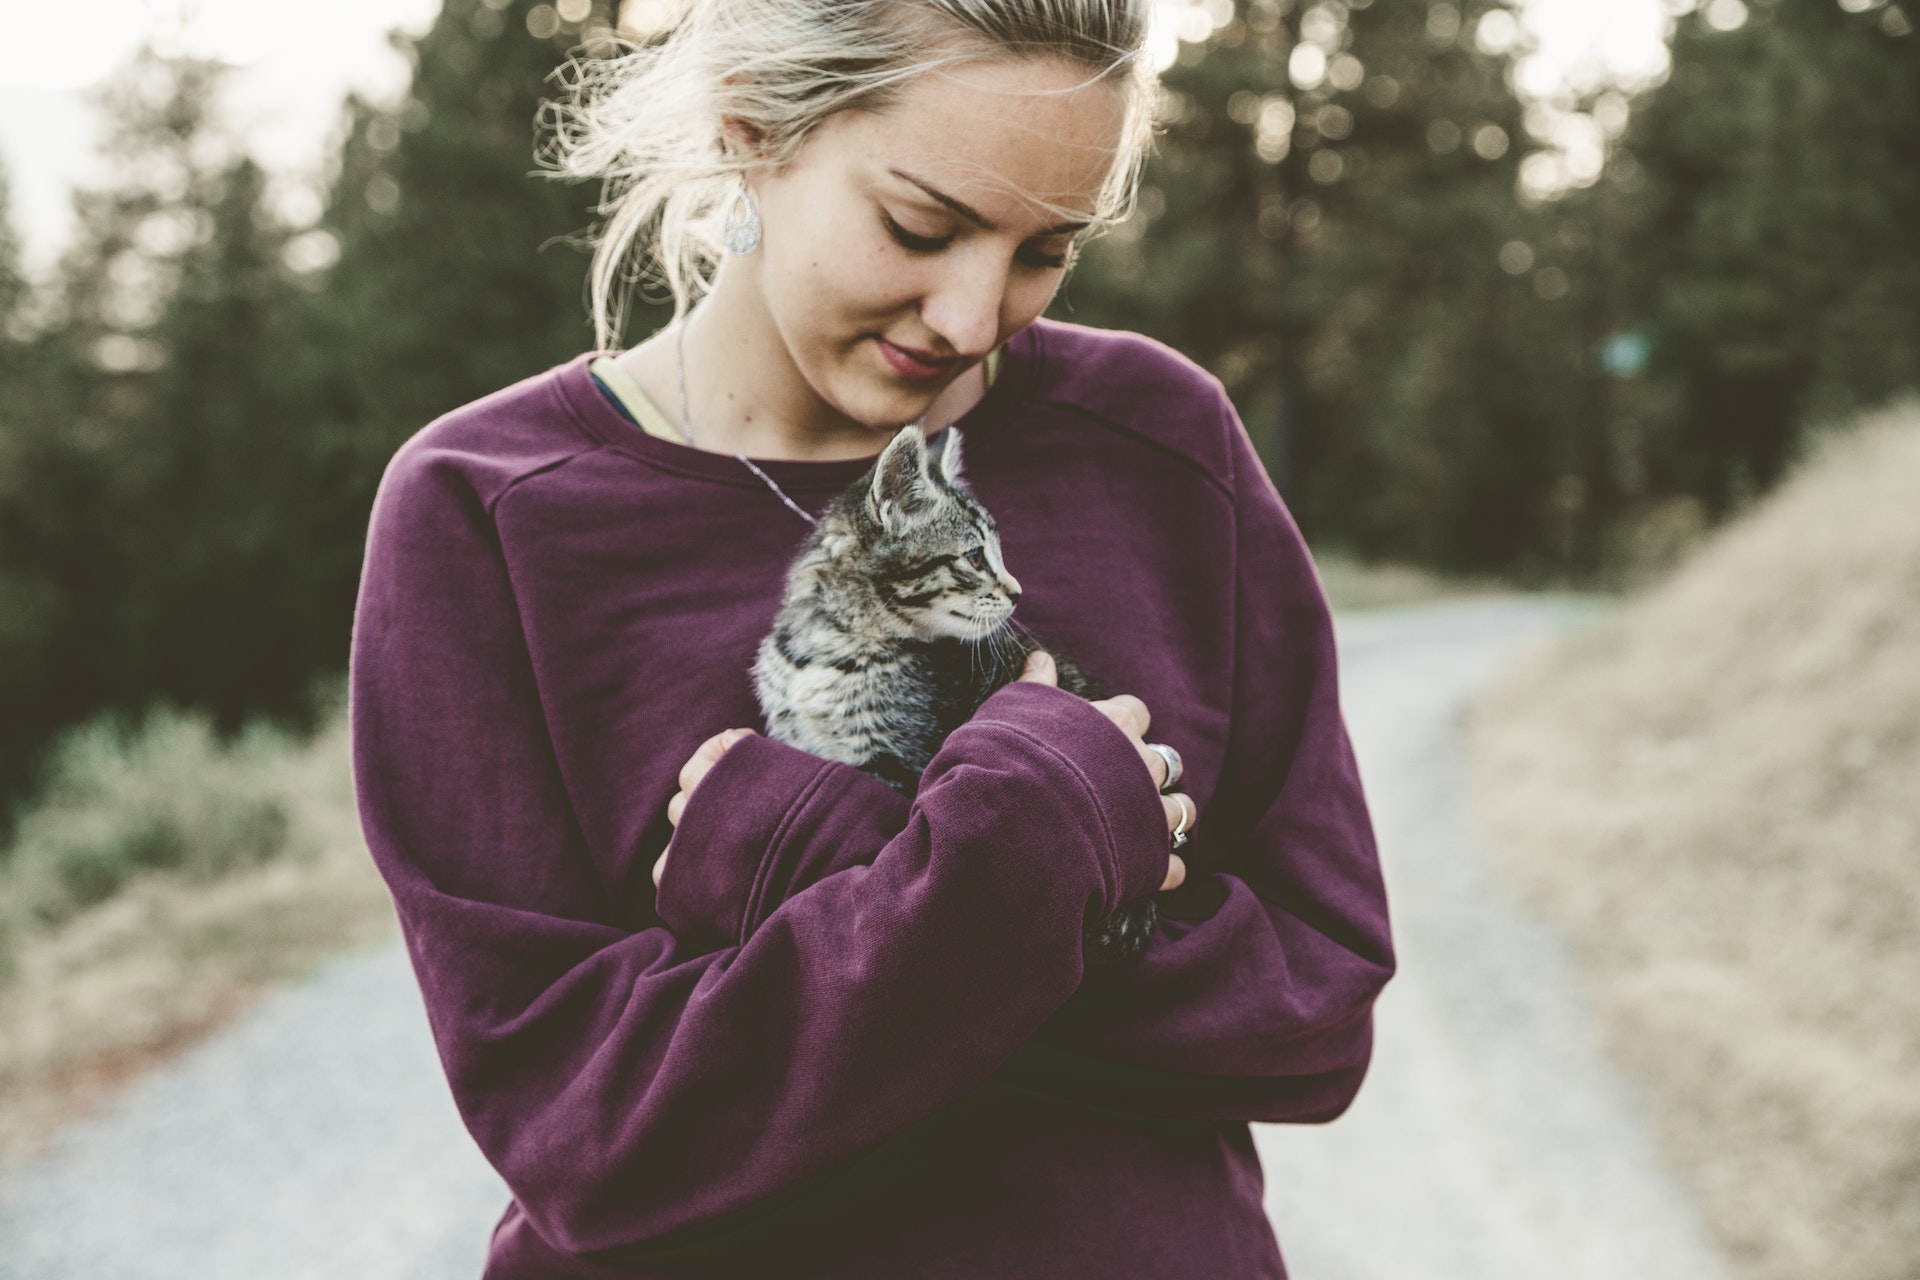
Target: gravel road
column 316, row 1138
column 1490, row 1141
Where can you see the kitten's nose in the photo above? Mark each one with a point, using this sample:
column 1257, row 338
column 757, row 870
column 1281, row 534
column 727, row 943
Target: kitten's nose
column 1010, row 585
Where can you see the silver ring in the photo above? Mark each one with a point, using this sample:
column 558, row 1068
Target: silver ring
column 1174, row 767
column 1187, row 816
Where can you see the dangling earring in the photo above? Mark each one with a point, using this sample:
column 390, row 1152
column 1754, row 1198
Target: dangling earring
column 741, row 231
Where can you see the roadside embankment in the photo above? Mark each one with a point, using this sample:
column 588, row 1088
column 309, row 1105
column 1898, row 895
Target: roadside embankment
column 161, row 882
column 1716, row 794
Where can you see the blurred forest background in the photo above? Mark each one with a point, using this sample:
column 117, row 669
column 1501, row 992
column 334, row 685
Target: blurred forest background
column 1479, row 329
column 1459, row 342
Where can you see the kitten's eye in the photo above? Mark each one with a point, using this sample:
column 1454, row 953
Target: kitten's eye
column 977, row 558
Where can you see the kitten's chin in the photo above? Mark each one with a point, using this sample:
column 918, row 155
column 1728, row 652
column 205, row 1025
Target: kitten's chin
column 950, row 626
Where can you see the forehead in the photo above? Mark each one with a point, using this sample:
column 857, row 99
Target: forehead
column 1019, row 139
column 956, row 516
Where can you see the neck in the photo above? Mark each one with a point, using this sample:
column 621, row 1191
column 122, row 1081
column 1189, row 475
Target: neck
column 745, row 396
column 761, row 407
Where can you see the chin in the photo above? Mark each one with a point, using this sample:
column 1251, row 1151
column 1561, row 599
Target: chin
column 895, row 411
column 886, row 402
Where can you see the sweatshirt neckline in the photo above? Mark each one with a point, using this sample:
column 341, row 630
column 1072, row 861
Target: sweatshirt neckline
column 574, row 383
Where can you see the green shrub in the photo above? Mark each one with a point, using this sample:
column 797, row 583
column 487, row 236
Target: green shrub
column 163, row 794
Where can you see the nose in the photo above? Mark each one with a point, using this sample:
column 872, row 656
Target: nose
column 1010, row 585
column 964, row 308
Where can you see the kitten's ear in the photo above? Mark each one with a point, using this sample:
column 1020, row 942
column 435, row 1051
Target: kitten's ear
column 901, row 486
column 948, row 463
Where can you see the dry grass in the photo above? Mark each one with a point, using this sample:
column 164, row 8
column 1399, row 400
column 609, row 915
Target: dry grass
column 1717, row 794
column 1353, row 584
column 96, row 996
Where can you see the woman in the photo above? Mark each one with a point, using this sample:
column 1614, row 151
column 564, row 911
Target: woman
column 831, row 1030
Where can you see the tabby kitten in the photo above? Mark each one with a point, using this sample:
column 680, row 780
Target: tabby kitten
column 895, row 627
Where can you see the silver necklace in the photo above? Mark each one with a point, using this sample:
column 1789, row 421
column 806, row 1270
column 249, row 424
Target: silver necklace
column 686, row 428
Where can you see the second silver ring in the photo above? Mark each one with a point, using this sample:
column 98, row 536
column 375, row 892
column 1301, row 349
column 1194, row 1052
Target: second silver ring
column 1174, row 767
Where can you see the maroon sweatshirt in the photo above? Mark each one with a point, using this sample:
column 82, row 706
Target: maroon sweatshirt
column 851, row 1035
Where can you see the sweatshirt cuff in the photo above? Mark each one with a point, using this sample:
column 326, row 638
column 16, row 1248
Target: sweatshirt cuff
column 767, row 820
column 1102, row 758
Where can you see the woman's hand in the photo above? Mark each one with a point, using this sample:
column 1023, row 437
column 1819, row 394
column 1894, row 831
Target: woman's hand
column 1126, row 711
column 1131, row 715
column 704, row 757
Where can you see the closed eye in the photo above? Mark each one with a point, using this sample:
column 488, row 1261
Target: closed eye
column 1031, row 255
column 911, row 242
column 1037, row 257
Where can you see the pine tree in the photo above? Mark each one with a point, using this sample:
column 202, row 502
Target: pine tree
column 1324, row 227
column 13, row 283
column 146, row 529
column 24, row 598
column 459, row 269
column 77, row 395
column 184, row 515
column 1770, row 253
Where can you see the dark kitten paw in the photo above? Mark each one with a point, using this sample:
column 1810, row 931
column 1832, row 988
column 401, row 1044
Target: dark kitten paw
column 1122, row 936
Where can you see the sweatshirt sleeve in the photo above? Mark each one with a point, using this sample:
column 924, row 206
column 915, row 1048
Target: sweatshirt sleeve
column 631, row 1088
column 1253, row 999
column 801, row 818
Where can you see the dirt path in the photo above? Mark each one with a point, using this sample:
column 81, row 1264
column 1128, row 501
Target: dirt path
column 1490, row 1142
column 317, row 1140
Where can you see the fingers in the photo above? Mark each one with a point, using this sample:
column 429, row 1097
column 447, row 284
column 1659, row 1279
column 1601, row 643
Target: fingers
column 1181, row 816
column 1155, row 762
column 1124, row 709
column 1181, row 812
column 706, row 755
column 1128, row 712
column 660, row 863
column 1176, row 872
column 1040, row 669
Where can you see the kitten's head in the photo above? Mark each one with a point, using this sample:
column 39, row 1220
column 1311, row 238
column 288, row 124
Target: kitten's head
column 920, row 544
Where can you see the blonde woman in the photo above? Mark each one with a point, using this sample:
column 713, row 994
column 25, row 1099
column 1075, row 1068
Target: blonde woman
column 835, row 1031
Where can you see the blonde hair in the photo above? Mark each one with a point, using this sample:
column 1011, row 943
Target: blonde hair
column 646, row 122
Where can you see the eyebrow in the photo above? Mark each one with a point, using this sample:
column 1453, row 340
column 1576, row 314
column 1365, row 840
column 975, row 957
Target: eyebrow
column 972, row 214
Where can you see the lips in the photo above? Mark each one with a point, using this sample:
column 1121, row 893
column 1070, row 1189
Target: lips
column 920, row 366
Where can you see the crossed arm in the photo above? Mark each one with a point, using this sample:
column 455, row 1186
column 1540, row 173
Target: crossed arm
column 1253, row 1000
column 1127, row 712
column 837, row 965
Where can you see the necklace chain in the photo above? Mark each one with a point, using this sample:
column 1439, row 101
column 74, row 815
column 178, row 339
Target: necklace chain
column 686, row 429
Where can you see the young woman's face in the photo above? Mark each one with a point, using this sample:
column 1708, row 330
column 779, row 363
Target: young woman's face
column 900, row 248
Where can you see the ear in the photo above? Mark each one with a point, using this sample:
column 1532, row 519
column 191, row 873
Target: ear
column 948, row 463
column 900, row 482
column 740, row 140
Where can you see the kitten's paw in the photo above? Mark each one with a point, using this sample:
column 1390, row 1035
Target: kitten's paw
column 1122, row 936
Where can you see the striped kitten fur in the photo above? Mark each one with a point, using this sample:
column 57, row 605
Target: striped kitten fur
column 896, row 625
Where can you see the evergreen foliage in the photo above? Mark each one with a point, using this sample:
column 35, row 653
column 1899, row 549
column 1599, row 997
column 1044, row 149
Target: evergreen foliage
column 192, row 430
column 106, row 510
column 1330, row 243
column 459, row 271
column 195, row 412
column 1772, row 253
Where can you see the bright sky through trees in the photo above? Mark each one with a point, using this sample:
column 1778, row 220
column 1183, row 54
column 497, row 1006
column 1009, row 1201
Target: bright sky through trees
column 300, row 59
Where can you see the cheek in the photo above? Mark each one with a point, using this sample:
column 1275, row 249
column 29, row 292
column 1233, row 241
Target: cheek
column 1026, row 298
column 836, row 272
